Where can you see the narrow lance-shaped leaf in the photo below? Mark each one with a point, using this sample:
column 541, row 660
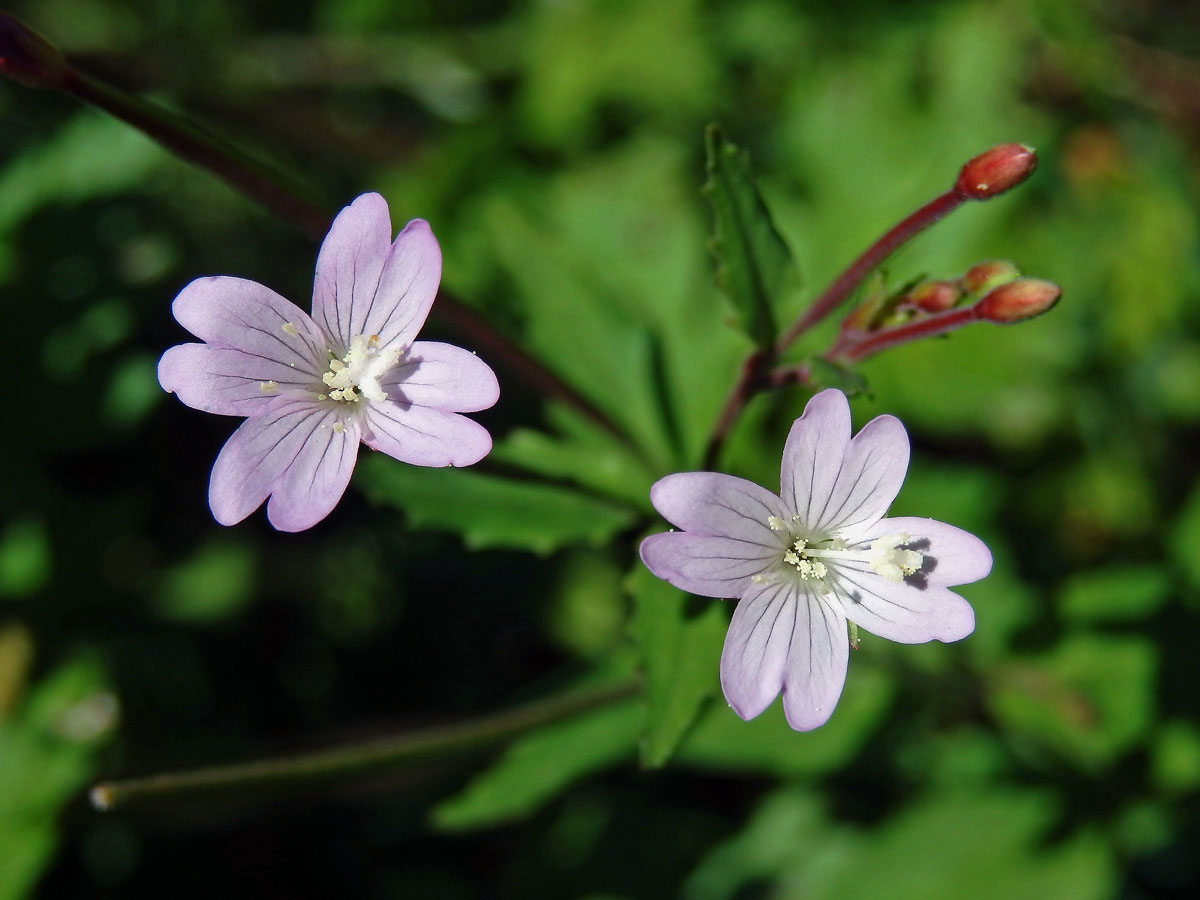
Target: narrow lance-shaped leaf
column 754, row 265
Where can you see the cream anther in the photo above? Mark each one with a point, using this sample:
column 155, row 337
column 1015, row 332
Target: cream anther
column 797, row 558
column 289, row 328
column 268, row 387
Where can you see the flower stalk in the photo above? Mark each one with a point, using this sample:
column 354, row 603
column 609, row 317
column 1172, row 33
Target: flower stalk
column 370, row 757
column 987, row 175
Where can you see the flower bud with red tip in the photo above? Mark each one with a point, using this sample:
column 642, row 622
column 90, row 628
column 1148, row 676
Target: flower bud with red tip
column 982, row 277
column 996, row 171
column 27, row 57
column 934, row 296
column 1017, row 301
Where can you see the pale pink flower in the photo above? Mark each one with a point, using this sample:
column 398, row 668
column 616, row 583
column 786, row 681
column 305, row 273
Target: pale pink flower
column 311, row 388
column 817, row 556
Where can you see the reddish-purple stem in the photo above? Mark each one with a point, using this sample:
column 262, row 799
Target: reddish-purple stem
column 753, row 379
column 849, row 350
column 845, row 283
column 246, row 175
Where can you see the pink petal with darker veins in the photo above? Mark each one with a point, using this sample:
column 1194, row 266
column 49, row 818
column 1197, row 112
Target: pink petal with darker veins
column 367, row 284
column 423, row 436
column 292, row 453
column 442, row 376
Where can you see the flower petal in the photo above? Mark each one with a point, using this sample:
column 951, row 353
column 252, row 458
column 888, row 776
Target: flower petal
column 908, row 612
column 366, row 284
column 835, row 484
column 871, row 476
column 812, row 455
column 237, row 314
column 816, row 666
column 755, row 655
column 715, row 504
column 442, row 376
column 952, row 556
column 290, row 452
column 225, row 381
column 706, row 565
column 423, row 436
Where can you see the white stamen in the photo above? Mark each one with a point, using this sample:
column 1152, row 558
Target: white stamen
column 356, row 375
column 775, row 523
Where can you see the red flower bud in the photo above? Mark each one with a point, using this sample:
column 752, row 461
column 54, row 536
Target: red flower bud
column 982, row 277
column 27, row 57
column 1018, row 300
column 934, row 296
column 996, row 171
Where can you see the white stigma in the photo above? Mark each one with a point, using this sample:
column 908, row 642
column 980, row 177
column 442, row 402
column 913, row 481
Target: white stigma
column 887, row 556
column 889, row 560
column 356, row 375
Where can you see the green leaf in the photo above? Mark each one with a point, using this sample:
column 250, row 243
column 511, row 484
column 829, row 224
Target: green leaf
column 490, row 511
column 215, row 583
column 1088, row 700
column 723, row 742
column 1115, row 593
column 826, row 374
column 754, row 265
column 596, row 462
column 680, row 638
column 957, row 843
column 539, row 766
column 47, row 754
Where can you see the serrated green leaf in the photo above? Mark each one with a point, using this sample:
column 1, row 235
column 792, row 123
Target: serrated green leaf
column 490, row 511
column 754, row 265
column 679, row 637
column 539, row 766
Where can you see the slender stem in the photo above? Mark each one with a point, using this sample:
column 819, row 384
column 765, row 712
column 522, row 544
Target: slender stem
column 357, row 759
column 751, row 380
column 844, row 284
column 852, row 350
column 204, row 149
column 261, row 184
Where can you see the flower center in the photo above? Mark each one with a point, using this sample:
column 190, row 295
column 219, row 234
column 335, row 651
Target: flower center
column 356, row 375
column 887, row 556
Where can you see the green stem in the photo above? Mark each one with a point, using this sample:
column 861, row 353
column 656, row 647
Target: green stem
column 357, row 759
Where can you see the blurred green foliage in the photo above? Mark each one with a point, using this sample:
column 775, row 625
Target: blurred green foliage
column 557, row 148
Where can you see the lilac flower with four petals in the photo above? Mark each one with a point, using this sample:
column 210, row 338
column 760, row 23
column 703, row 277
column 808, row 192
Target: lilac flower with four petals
column 806, row 562
column 312, row 387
